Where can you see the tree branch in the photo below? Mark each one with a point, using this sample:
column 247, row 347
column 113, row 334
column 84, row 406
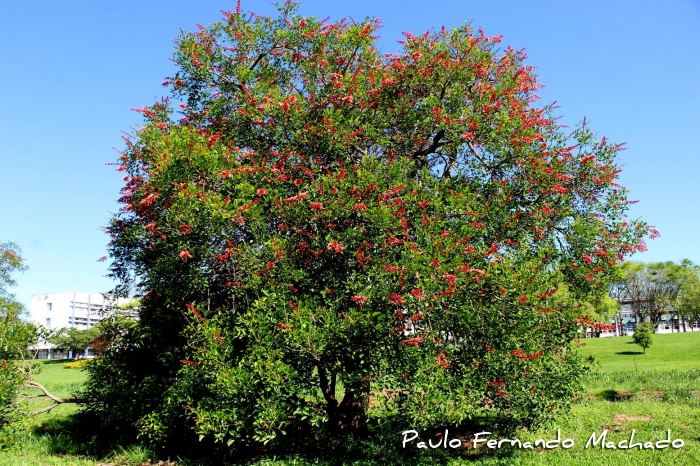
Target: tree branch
column 57, row 401
column 422, row 153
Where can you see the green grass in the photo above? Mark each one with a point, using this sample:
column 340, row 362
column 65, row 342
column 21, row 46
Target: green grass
column 61, row 382
column 661, row 392
column 678, row 351
column 55, row 377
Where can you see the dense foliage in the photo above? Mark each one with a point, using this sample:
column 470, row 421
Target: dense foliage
column 15, row 336
column 329, row 233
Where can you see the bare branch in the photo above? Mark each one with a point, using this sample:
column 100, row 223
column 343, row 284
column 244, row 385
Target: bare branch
column 57, row 401
column 476, row 155
column 44, row 410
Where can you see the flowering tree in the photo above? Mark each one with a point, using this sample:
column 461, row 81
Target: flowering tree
column 327, row 226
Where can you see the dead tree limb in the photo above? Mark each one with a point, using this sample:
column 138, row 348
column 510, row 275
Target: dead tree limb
column 56, row 400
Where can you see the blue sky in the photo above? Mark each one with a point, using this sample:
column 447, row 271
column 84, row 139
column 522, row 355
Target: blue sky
column 72, row 70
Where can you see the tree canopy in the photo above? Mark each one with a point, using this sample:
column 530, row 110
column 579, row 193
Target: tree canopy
column 326, row 225
column 75, row 340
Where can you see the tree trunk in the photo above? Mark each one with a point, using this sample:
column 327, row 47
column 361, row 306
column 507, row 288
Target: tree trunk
column 350, row 416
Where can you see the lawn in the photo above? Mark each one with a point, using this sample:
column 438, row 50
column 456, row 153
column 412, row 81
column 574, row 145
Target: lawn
column 648, row 393
column 679, row 351
column 57, row 378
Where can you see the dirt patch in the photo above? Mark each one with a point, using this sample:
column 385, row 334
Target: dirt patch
column 622, row 419
column 620, row 396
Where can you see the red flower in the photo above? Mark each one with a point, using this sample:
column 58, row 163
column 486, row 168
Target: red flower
column 359, row 300
column 420, row 294
column 522, row 299
column 442, row 361
column 395, row 299
column 260, row 192
column 270, row 265
column 336, row 247
column 491, row 250
column 297, row 198
column 413, row 341
column 185, row 228
column 359, row 207
column 316, row 205
column 587, row 259
column 347, row 99
column 496, row 383
column 184, row 255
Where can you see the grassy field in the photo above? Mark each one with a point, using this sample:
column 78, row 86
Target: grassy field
column 678, row 351
column 47, row 439
column 649, row 393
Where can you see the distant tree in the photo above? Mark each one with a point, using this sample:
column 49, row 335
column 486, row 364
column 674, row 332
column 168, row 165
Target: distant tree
column 688, row 302
column 643, row 336
column 685, row 280
column 75, row 340
column 651, row 289
column 654, row 289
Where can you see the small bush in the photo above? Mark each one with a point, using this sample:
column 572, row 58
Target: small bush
column 643, row 336
column 79, row 364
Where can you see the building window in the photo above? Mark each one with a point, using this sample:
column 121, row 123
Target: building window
column 48, row 306
column 48, row 321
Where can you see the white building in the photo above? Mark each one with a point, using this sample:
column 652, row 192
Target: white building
column 75, row 309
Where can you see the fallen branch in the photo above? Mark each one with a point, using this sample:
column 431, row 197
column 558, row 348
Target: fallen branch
column 57, row 401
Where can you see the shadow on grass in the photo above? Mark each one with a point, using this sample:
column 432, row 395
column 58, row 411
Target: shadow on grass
column 383, row 444
column 69, row 436
column 630, row 353
column 614, row 395
column 66, row 436
column 53, row 361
